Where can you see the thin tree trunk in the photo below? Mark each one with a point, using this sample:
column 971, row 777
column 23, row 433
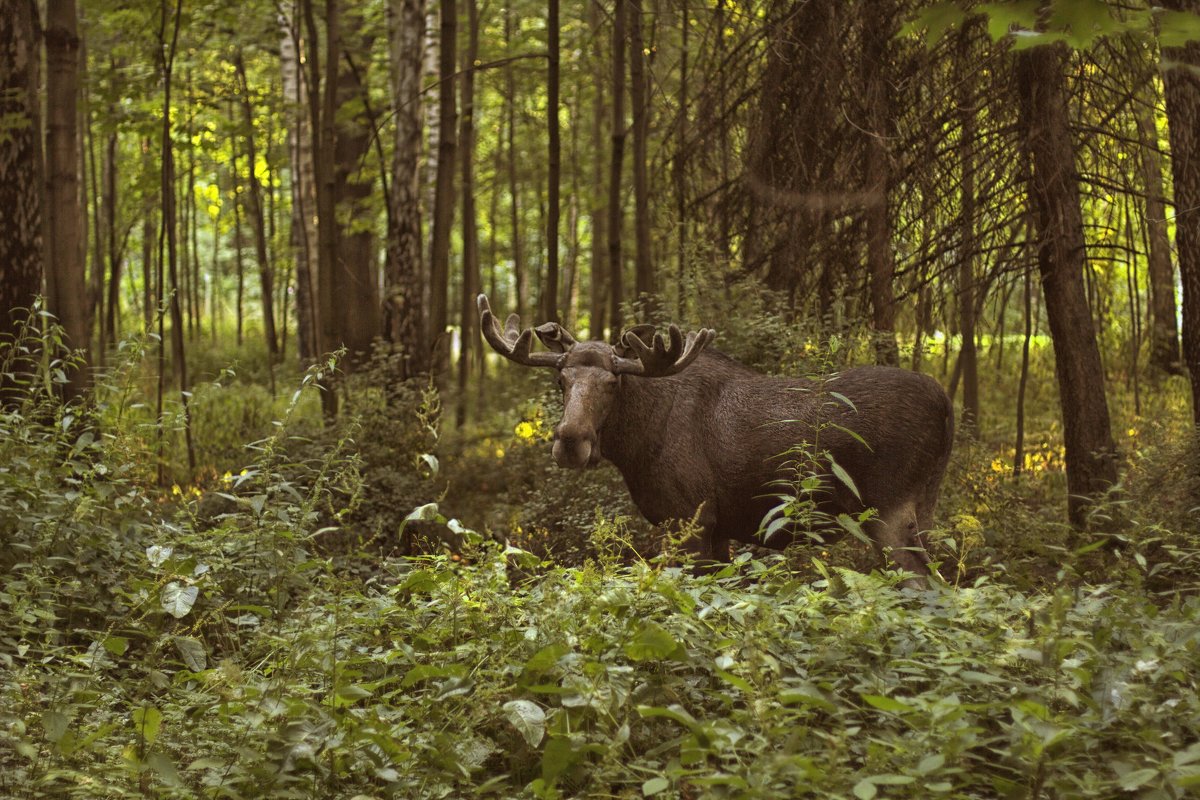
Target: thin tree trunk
column 1183, row 115
column 255, row 210
column 520, row 272
column 405, row 305
column 1019, row 447
column 554, row 162
column 969, row 420
column 443, row 207
column 96, row 310
column 238, row 246
column 615, row 268
column 66, row 280
column 113, row 306
column 303, row 236
column 877, row 36
column 468, row 341
column 681, row 154
column 599, row 219
column 1090, row 452
column 645, row 286
column 21, row 180
column 1164, row 328
column 168, row 236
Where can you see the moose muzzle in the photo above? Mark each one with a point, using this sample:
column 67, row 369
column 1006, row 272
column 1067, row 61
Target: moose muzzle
column 574, row 448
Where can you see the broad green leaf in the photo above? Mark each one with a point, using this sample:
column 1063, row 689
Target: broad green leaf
column 528, row 718
column 54, row 723
column 651, row 642
column 192, row 652
column 177, row 599
column 426, row 671
column 844, row 477
column 1177, row 28
column 886, row 703
column 865, row 790
column 547, row 657
column 654, row 786
column 147, row 720
column 1139, row 777
column 558, row 756
column 674, row 712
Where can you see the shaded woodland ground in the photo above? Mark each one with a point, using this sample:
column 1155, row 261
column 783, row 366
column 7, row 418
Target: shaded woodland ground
column 237, row 566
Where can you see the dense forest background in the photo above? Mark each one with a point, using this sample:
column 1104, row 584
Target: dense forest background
column 276, row 522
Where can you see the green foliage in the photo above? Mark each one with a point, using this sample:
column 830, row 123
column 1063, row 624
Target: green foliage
column 153, row 644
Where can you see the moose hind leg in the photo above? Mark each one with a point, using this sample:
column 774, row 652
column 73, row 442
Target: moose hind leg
column 897, row 537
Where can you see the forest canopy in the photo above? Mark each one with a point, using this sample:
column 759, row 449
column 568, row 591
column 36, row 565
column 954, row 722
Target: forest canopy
column 278, row 521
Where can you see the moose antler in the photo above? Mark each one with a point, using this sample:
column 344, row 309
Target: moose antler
column 515, row 344
column 660, row 358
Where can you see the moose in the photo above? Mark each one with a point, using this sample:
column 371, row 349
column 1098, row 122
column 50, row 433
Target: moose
column 696, row 434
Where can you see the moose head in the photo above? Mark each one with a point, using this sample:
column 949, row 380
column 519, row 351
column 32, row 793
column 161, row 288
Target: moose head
column 590, row 373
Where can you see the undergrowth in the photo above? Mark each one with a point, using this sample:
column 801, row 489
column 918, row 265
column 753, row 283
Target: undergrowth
column 249, row 637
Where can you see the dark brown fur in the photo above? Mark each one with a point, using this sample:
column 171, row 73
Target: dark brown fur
column 714, row 438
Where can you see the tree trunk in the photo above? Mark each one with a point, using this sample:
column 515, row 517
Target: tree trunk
column 168, row 235
column 66, row 282
column 645, row 286
column 21, row 180
column 1183, row 115
column 554, row 162
column 303, row 236
column 443, row 206
column 969, row 420
column 469, row 341
column 255, row 210
column 1164, row 331
column 877, row 36
column 520, row 273
column 113, row 306
column 597, row 287
column 405, row 305
column 1090, row 452
column 356, row 309
column 322, row 110
column 681, row 154
column 615, row 268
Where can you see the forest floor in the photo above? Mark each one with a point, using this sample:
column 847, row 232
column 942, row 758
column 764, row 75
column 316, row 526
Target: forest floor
column 390, row 608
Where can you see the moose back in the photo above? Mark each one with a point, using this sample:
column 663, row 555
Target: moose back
column 690, row 429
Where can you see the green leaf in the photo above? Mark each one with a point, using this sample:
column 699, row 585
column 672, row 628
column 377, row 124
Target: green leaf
column 674, row 712
column 865, row 790
column 654, row 786
column 558, row 757
column 971, row 676
column 651, row 642
column 935, row 21
column 1139, row 777
column 426, row 671
column 177, row 599
column 54, row 723
column 1177, row 28
column 192, row 652
column 116, row 645
column 528, row 718
column 546, row 658
column 805, row 694
column 844, row 477
column 931, row 764
column 886, row 703
column 853, row 527
column 147, row 721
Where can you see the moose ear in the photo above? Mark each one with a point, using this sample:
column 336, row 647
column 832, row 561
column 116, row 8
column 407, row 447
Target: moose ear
column 555, row 337
column 644, row 332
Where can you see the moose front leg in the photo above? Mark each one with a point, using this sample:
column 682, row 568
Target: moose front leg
column 897, row 538
column 708, row 544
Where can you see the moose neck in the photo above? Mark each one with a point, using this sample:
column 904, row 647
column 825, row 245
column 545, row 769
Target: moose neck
column 633, row 434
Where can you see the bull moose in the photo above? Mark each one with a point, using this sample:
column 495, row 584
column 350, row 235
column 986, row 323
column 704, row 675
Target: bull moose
column 694, row 433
